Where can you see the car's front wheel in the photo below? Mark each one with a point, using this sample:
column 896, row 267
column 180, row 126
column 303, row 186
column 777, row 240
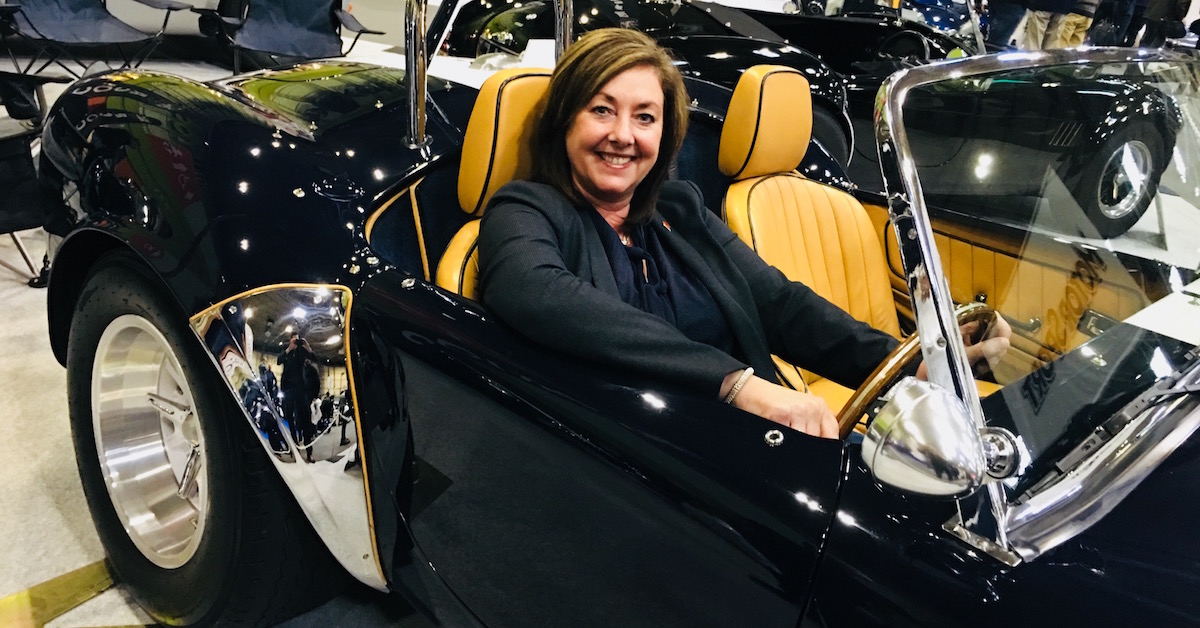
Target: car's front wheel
column 192, row 516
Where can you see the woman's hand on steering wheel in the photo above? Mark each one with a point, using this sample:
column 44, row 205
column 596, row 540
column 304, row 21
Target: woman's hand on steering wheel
column 985, row 347
column 800, row 411
column 986, row 343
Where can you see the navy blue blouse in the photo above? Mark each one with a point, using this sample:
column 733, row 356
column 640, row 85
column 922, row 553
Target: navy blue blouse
column 666, row 288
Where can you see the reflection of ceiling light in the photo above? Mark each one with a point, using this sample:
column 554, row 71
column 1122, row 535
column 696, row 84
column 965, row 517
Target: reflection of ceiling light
column 333, row 340
column 243, row 186
column 299, row 313
column 654, row 401
column 718, row 55
column 244, row 244
column 983, row 166
column 256, row 151
column 378, row 174
column 249, row 313
column 288, row 329
column 321, row 294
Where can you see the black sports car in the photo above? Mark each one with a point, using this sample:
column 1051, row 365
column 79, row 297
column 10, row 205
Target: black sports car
column 214, row 233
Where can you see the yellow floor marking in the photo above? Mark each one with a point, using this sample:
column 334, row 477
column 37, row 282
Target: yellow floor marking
column 43, row 602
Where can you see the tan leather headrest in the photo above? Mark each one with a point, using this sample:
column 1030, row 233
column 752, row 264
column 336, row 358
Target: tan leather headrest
column 496, row 148
column 769, row 123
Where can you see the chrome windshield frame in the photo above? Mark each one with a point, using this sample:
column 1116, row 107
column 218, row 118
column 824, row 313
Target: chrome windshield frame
column 984, row 518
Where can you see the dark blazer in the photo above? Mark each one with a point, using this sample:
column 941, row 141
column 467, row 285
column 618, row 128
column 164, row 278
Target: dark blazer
column 543, row 271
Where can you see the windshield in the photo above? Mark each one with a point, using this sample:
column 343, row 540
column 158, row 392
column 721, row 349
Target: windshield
column 1065, row 196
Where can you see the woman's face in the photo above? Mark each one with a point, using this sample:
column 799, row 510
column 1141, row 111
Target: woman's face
column 613, row 141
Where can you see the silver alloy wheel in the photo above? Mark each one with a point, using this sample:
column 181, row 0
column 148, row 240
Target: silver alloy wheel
column 1125, row 179
column 148, row 438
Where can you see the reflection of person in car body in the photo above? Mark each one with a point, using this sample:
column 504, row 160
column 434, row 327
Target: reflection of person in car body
column 603, row 258
column 295, row 392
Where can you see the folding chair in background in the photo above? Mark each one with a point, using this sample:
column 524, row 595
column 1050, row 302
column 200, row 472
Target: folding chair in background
column 24, row 203
column 54, row 29
column 284, row 31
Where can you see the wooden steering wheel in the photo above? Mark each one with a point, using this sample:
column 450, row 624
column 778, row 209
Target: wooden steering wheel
column 891, row 368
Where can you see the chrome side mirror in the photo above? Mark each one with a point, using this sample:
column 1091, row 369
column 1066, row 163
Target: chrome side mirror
column 924, row 441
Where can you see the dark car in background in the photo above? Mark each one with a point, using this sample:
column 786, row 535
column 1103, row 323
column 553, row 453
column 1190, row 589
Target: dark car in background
column 717, row 42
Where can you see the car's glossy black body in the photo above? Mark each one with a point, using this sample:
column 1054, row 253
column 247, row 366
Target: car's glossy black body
column 146, row 155
column 512, row 486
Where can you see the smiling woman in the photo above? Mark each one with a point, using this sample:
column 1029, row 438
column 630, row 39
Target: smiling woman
column 613, row 142
column 602, row 258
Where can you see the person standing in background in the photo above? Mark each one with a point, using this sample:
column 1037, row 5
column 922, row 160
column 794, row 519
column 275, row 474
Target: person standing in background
column 1004, row 16
column 1044, row 21
column 1074, row 27
column 1136, row 22
column 295, row 395
column 1160, row 13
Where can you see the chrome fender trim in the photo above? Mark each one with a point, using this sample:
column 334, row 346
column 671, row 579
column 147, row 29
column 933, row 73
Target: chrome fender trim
column 316, row 451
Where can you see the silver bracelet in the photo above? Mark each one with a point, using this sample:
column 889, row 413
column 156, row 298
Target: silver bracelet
column 737, row 386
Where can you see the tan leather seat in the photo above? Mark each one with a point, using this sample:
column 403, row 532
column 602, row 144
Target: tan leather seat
column 496, row 149
column 815, row 234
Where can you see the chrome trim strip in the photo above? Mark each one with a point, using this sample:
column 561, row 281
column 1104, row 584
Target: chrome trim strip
column 1070, row 506
column 955, row 526
column 311, row 449
column 564, row 16
column 414, row 67
column 940, row 342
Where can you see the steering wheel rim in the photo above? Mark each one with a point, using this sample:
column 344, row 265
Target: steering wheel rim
column 890, row 369
column 902, row 37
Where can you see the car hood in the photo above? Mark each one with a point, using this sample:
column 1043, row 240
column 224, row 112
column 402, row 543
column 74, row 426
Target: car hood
column 315, row 97
column 1144, row 552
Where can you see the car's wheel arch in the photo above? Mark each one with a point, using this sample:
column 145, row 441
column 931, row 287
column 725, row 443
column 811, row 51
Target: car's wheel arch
column 73, row 262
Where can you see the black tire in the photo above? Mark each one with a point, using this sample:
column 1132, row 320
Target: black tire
column 1112, row 202
column 830, row 134
column 253, row 557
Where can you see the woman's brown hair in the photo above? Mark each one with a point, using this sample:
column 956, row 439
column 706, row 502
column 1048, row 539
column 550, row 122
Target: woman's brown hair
column 586, row 66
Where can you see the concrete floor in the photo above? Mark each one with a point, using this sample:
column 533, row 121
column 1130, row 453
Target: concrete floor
column 42, row 508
